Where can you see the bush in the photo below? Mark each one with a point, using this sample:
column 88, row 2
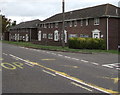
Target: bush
column 86, row 43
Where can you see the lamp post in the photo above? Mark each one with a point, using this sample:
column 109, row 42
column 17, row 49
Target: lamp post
column 63, row 23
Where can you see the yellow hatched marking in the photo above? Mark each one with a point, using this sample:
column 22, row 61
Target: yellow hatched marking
column 114, row 79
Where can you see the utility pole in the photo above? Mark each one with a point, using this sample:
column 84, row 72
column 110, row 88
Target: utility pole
column 63, row 22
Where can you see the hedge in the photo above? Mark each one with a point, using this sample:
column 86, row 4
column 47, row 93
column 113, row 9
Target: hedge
column 86, row 43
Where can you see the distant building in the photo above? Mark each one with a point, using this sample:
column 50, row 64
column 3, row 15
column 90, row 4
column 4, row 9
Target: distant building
column 25, row 31
column 94, row 22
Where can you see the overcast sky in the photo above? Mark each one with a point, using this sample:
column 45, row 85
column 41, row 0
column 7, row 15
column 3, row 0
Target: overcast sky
column 24, row 10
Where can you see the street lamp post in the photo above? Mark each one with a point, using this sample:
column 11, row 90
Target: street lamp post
column 63, row 23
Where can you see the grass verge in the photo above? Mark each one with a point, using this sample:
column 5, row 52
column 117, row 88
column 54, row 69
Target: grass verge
column 59, row 48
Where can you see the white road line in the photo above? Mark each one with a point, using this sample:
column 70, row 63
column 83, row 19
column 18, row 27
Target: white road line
column 60, row 55
column 107, row 66
column 5, row 54
column 53, row 54
column 75, row 59
column 48, row 72
column 27, row 62
column 48, row 52
column 95, row 63
column 81, row 86
column 85, row 61
column 83, row 83
column 67, row 57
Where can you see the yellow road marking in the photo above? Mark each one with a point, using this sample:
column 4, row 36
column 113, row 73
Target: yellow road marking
column 17, row 64
column 48, row 59
column 114, row 79
column 73, row 78
column 77, row 80
column 11, row 67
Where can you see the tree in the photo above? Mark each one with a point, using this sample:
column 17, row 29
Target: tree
column 7, row 23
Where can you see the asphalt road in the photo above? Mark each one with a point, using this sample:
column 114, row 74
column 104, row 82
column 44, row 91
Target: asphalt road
column 26, row 70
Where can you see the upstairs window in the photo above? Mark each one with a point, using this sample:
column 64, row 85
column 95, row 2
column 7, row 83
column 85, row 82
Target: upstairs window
column 96, row 21
column 75, row 23
column 56, row 25
column 81, row 22
column 70, row 23
column 51, row 25
column 87, row 22
column 45, row 26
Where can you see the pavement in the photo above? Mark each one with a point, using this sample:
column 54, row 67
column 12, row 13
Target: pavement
column 27, row 70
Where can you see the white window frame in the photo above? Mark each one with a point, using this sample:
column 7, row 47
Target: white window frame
column 56, row 35
column 87, row 22
column 70, row 23
column 44, row 35
column 56, row 25
column 81, row 22
column 96, row 21
column 51, row 25
column 50, row 36
column 75, row 23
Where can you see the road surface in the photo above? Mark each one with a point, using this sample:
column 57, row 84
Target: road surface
column 26, row 70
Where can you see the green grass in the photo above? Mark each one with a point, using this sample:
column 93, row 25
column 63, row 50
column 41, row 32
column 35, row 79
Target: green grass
column 59, row 48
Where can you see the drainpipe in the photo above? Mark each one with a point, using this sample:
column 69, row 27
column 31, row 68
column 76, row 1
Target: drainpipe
column 108, row 33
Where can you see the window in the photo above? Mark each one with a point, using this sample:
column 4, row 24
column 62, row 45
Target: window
column 51, row 25
column 75, row 23
column 56, row 25
column 45, row 26
column 70, row 23
column 84, row 36
column 50, row 36
column 56, row 35
column 81, row 22
column 72, row 35
column 87, row 22
column 96, row 21
column 66, row 23
column 44, row 35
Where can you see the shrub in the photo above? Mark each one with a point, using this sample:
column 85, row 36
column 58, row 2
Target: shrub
column 86, row 43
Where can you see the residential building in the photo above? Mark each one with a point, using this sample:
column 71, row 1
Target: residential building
column 25, row 31
column 95, row 22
